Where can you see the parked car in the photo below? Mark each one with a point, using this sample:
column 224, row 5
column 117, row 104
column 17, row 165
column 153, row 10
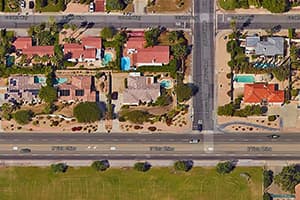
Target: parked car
column 31, row 4
column 194, row 141
column 22, row 3
column 91, row 7
column 25, row 150
column 200, row 125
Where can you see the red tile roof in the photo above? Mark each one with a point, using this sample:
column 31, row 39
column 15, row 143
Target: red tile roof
column 156, row 54
column 99, row 6
column 297, row 192
column 22, row 42
column 39, row 50
column 89, row 53
column 91, row 41
column 78, row 83
column 135, row 43
column 255, row 93
column 73, row 50
column 136, row 34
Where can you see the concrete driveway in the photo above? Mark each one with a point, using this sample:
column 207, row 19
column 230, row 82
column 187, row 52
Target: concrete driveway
column 139, row 6
column 288, row 114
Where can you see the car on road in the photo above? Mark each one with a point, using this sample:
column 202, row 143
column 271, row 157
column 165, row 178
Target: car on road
column 25, row 150
column 15, row 148
column 91, row 7
column 194, row 141
column 113, row 148
column 31, row 4
column 274, row 136
column 200, row 125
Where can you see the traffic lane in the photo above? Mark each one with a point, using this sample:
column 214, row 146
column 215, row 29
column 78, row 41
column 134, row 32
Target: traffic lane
column 253, row 148
column 141, row 138
column 153, row 157
column 71, row 148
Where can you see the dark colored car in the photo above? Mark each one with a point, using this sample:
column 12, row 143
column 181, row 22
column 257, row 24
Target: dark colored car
column 25, row 150
column 200, row 125
column 31, row 4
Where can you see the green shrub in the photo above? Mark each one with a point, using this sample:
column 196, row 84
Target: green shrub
column 272, row 118
column 23, row 116
column 224, row 167
column 100, row 165
column 87, row 112
column 142, row 166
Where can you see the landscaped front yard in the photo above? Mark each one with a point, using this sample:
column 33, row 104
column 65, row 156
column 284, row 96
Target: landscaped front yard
column 170, row 6
column 128, row 184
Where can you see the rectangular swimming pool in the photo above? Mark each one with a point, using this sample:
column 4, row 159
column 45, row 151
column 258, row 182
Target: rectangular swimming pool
column 244, row 79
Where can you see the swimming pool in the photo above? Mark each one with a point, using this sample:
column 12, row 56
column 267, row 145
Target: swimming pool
column 166, row 84
column 107, row 58
column 39, row 79
column 244, row 79
column 125, row 63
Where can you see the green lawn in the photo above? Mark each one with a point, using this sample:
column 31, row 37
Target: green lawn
column 126, row 184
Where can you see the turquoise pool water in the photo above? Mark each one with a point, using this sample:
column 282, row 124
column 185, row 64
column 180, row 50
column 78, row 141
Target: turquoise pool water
column 39, row 79
column 107, row 58
column 125, row 63
column 59, row 81
column 166, row 84
column 244, row 79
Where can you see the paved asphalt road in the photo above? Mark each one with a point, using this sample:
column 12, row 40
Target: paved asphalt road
column 203, row 64
column 99, row 21
column 114, row 138
column 258, row 21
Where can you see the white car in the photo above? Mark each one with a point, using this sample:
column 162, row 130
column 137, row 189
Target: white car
column 91, row 7
column 194, row 141
column 113, row 148
column 15, row 148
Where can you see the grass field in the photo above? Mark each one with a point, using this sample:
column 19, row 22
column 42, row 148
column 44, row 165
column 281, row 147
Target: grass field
column 126, row 184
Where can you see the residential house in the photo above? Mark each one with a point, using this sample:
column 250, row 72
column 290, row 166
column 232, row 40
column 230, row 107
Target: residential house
column 141, row 56
column 88, row 51
column 297, row 192
column 269, row 46
column 24, row 89
column 260, row 93
column 152, row 56
column 140, row 89
column 22, row 43
column 24, row 46
column 80, row 88
column 99, row 5
column 38, row 51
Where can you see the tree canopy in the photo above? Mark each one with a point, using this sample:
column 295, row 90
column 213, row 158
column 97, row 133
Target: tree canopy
column 100, row 165
column 224, row 167
column 23, row 116
column 183, row 91
column 288, row 178
column 151, row 36
column 108, row 32
column 182, row 165
column 48, row 94
column 59, row 168
column 142, row 166
column 86, row 112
